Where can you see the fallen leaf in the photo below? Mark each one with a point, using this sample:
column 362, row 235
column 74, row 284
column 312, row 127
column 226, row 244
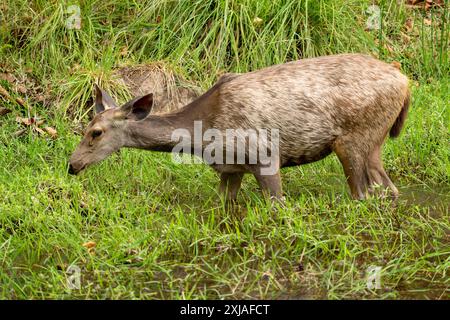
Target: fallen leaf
column 75, row 68
column 431, row 3
column 7, row 77
column 29, row 121
column 21, row 89
column 4, row 111
column 4, row 93
column 39, row 130
column 267, row 275
column 19, row 132
column 388, row 48
column 26, row 121
column 20, row 101
column 124, row 51
column 89, row 244
column 406, row 39
column 52, row 132
column 83, row 205
column 427, row 21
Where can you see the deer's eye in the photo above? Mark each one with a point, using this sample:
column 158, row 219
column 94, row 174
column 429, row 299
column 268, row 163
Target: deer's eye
column 96, row 133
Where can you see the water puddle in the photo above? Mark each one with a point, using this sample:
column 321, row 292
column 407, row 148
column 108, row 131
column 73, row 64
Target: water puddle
column 436, row 198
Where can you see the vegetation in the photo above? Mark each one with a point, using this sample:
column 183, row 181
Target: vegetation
column 155, row 229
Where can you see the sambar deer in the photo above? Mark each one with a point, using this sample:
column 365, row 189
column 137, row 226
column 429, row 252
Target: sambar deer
column 344, row 103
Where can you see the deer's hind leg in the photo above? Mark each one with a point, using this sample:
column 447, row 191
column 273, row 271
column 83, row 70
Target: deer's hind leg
column 353, row 153
column 377, row 174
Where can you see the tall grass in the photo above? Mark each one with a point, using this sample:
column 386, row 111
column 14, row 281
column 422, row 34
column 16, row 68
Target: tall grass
column 204, row 38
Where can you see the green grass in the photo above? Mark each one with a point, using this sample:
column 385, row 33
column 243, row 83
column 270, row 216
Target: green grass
column 161, row 229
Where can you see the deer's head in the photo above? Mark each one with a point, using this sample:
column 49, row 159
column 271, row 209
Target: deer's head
column 108, row 130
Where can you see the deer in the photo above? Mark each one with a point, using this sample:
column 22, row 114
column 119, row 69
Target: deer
column 346, row 103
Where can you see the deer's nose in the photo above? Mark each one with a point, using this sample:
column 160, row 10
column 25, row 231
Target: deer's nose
column 71, row 170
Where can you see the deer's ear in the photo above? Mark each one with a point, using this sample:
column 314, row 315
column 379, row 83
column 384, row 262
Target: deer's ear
column 103, row 100
column 138, row 108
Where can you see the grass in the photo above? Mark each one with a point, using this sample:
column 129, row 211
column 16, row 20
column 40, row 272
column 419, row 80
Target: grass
column 160, row 228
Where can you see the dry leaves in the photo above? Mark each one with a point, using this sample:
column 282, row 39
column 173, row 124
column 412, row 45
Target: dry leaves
column 7, row 77
column 34, row 124
column 52, row 132
column 23, row 83
column 20, row 101
column 388, row 48
column 426, row 4
column 4, row 111
column 6, row 95
column 133, row 256
column 21, row 89
column 29, row 121
column 74, row 68
column 90, row 246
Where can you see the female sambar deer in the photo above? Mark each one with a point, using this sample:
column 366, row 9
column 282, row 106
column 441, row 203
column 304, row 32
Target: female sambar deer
column 343, row 103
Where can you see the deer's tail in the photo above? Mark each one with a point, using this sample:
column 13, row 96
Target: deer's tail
column 398, row 124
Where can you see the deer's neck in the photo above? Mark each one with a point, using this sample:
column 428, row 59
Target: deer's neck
column 157, row 132
column 164, row 132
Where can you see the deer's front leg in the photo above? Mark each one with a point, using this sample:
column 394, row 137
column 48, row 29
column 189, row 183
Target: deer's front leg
column 230, row 184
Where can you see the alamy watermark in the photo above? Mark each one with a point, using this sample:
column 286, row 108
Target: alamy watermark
column 374, row 20
column 74, row 19
column 230, row 147
column 373, row 280
column 73, row 277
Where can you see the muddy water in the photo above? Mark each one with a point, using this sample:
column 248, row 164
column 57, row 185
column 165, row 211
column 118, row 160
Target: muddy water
column 437, row 198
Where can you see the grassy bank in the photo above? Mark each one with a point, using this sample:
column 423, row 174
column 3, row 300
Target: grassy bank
column 202, row 39
column 160, row 230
